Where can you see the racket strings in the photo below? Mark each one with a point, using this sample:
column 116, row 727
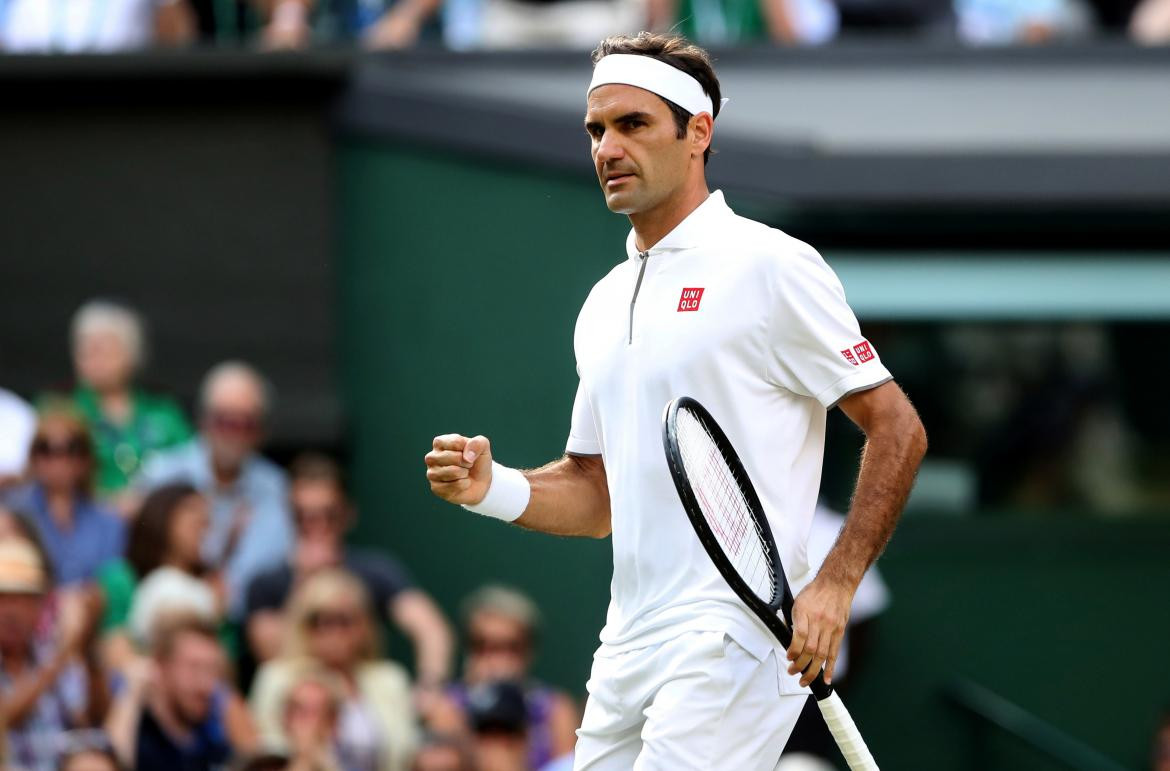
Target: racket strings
column 724, row 506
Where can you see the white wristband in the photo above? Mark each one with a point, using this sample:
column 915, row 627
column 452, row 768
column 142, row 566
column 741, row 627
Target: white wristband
column 507, row 495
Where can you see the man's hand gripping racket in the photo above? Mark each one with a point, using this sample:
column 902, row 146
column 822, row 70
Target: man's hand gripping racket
column 729, row 520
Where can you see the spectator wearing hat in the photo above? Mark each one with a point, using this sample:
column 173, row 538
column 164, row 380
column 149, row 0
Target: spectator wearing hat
column 500, row 628
column 128, row 424
column 50, row 679
column 499, row 719
column 250, row 528
column 177, row 710
column 79, row 534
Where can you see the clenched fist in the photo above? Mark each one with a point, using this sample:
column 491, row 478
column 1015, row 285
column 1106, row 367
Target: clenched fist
column 460, row 469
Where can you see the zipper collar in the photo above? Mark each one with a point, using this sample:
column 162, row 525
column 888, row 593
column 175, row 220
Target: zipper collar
column 687, row 234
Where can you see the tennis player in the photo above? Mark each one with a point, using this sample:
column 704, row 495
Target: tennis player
column 754, row 325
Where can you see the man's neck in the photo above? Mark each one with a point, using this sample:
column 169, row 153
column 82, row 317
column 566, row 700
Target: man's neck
column 225, row 476
column 652, row 226
column 116, row 404
column 60, row 504
column 168, row 718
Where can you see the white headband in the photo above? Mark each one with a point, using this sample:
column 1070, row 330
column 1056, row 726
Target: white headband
column 655, row 76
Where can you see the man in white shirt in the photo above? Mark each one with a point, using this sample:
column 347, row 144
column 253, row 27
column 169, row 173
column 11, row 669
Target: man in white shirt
column 754, row 325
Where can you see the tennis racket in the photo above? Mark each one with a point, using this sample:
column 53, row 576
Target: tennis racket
column 727, row 516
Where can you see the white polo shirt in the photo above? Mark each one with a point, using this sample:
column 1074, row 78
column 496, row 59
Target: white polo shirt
column 754, row 325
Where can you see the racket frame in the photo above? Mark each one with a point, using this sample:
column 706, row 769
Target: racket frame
column 777, row 613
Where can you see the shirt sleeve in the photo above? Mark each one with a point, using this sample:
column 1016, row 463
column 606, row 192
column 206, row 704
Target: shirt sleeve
column 583, row 430
column 814, row 341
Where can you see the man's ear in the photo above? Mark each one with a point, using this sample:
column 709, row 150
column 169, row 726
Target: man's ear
column 700, row 130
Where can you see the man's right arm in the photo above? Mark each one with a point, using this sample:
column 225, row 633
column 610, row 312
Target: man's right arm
column 568, row 496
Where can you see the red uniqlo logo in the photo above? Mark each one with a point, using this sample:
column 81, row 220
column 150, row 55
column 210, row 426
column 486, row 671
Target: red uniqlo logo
column 849, row 357
column 864, row 352
column 690, row 299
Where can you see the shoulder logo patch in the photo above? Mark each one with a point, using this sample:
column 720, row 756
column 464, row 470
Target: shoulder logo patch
column 863, row 351
column 689, row 301
column 849, row 357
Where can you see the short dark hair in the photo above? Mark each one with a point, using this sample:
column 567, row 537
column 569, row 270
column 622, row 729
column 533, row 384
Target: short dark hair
column 149, row 538
column 317, row 467
column 679, row 53
column 169, row 628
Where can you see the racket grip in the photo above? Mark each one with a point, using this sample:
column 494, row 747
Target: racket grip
column 844, row 731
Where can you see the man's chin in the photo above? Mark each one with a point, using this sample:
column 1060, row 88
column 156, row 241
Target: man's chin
column 620, row 203
column 195, row 714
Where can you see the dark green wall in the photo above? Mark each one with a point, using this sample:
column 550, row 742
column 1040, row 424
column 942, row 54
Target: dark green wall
column 460, row 287
column 460, row 284
column 197, row 189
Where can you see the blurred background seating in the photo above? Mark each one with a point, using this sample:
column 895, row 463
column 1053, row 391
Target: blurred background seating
column 126, row 25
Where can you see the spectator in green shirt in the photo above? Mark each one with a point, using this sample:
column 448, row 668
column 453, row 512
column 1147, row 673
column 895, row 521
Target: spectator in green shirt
column 127, row 423
column 740, row 22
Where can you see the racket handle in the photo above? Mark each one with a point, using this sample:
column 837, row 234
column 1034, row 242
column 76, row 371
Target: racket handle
column 844, row 731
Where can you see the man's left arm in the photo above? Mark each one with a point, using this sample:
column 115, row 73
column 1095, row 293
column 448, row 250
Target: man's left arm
column 894, row 446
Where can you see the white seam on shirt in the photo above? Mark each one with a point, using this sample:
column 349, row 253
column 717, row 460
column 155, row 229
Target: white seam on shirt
column 864, row 386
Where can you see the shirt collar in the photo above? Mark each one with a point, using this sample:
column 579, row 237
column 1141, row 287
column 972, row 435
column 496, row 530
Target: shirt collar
column 204, row 476
column 83, row 506
column 691, row 231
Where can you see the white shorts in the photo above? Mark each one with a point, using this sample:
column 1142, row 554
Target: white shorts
column 699, row 701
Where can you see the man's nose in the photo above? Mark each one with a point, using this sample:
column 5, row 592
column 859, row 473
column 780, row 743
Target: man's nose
column 609, row 148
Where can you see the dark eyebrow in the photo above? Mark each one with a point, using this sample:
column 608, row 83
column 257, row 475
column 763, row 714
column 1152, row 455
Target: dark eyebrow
column 629, row 117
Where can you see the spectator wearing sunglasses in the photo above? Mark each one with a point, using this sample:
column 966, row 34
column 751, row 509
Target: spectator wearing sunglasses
column 501, row 626
column 79, row 534
column 50, row 680
column 128, row 424
column 330, row 625
column 322, row 514
column 250, row 527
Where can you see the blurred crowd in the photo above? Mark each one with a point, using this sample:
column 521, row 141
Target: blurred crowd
column 171, row 599
column 121, row 25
